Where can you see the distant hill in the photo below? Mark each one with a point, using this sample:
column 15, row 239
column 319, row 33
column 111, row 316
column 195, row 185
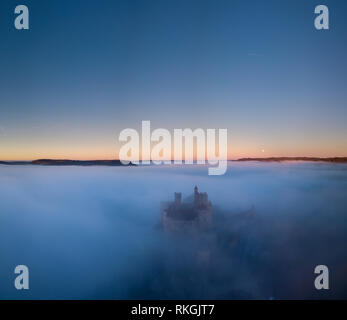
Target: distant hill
column 115, row 163
column 15, row 163
column 312, row 159
column 50, row 162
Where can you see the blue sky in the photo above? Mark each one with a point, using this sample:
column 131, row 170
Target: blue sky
column 88, row 69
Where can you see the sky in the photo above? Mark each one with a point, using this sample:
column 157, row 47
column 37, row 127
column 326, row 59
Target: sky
column 86, row 70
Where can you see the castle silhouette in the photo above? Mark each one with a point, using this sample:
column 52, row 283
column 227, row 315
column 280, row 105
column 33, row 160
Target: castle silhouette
column 179, row 216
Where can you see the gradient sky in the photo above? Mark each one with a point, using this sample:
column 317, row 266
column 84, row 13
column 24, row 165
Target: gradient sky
column 88, row 69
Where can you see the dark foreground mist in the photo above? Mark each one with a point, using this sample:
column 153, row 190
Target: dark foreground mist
column 92, row 233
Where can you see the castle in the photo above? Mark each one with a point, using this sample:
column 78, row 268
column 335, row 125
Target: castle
column 187, row 216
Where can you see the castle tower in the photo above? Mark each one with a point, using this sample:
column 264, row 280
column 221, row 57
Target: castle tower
column 196, row 196
column 178, row 198
column 204, row 199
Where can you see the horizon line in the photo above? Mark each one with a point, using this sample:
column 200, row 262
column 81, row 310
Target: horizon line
column 183, row 160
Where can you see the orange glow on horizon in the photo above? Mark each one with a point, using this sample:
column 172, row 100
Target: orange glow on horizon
column 109, row 150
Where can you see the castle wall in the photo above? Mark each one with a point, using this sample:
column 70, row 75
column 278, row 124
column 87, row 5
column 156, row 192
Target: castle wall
column 201, row 205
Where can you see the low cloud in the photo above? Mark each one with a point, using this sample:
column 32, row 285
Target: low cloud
column 92, row 232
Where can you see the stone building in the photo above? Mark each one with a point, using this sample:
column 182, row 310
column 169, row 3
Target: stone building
column 179, row 216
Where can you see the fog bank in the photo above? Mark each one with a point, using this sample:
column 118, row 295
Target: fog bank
column 91, row 232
